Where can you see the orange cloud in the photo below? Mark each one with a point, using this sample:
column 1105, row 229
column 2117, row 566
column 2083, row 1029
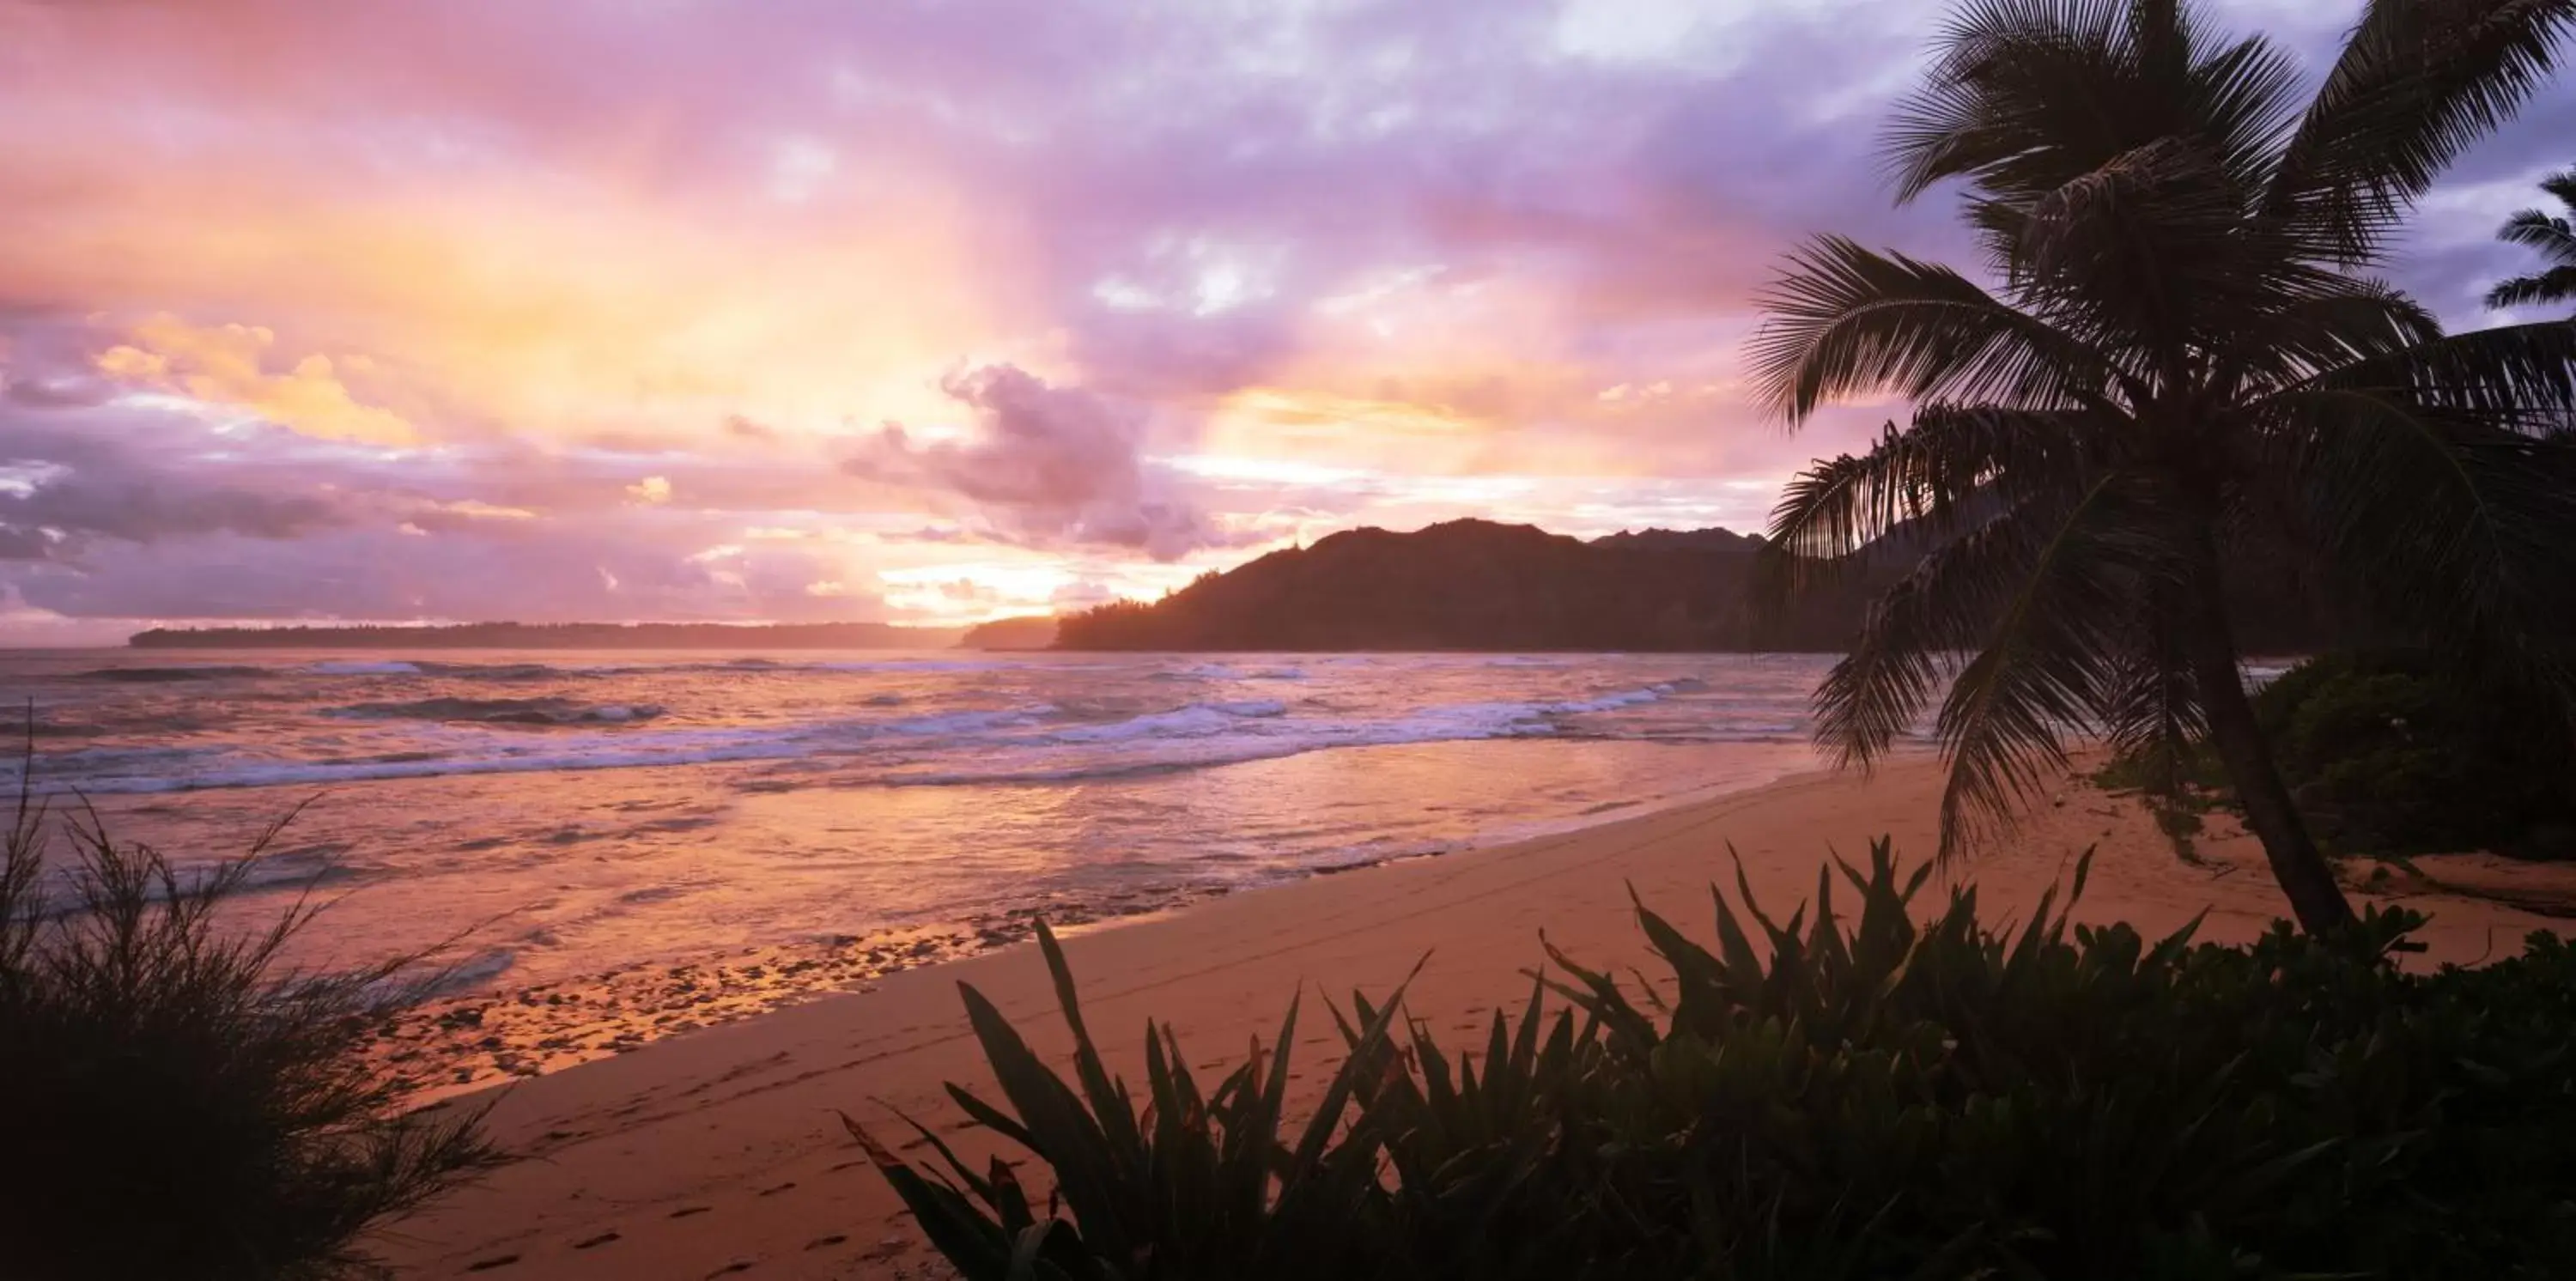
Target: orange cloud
column 229, row 365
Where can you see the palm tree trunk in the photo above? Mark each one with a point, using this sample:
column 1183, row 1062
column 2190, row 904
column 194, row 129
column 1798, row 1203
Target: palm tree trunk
column 2210, row 646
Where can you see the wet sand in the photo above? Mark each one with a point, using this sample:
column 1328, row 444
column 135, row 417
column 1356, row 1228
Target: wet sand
column 458, row 1045
column 717, row 1153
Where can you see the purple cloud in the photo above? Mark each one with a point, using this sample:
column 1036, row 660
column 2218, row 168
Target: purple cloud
column 1055, row 466
column 630, row 278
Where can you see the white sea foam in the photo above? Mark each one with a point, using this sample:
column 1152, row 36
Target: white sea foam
column 973, row 722
column 1193, row 721
column 1605, row 702
column 369, row 667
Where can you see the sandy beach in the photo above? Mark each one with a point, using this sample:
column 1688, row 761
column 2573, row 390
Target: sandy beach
column 718, row 1153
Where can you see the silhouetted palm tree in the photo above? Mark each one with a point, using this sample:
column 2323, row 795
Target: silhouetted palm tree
column 2183, row 355
column 2552, row 238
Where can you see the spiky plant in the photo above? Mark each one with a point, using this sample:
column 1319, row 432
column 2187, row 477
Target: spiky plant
column 176, row 1099
column 2548, row 235
column 1194, row 1184
column 2181, row 356
column 1890, row 1087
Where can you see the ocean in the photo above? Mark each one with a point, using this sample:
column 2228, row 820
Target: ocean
column 612, row 846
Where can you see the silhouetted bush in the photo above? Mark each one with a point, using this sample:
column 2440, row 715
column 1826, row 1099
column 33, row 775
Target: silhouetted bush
column 1858, row 1097
column 2391, row 752
column 176, row 1102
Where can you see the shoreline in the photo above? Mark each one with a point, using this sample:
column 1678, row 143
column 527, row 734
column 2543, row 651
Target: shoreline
column 720, row 1151
column 488, row 1032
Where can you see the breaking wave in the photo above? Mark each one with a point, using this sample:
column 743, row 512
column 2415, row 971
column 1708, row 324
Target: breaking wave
column 507, row 711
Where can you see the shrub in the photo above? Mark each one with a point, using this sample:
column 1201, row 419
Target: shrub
column 1861, row 1098
column 2390, row 752
column 175, row 1100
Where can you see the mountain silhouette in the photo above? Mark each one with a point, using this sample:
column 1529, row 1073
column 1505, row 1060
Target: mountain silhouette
column 1478, row 585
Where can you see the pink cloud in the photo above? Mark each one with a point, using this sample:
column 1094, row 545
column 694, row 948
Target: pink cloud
column 312, row 275
column 1052, row 465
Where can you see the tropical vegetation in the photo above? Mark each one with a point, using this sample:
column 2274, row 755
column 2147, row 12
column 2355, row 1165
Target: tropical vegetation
column 2393, row 753
column 175, row 1099
column 2548, row 235
column 1892, row 1093
column 2180, row 362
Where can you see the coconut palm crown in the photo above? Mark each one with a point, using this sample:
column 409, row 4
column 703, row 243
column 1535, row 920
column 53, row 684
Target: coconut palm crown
column 2175, row 352
column 2548, row 235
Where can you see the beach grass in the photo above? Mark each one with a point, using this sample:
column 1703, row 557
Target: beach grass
column 176, row 1101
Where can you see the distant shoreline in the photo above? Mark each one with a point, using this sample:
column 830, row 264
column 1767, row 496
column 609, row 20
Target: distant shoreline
column 557, row 636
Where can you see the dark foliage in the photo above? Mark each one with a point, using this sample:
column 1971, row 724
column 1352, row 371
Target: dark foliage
column 2394, row 752
column 2549, row 235
column 2174, row 352
column 1856, row 1097
column 175, row 1101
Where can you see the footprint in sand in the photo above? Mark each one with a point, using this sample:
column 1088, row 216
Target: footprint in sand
column 486, row 1265
column 776, row 1190
column 687, row 1210
column 594, row 1242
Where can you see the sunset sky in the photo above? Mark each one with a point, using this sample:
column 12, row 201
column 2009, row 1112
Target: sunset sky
column 916, row 311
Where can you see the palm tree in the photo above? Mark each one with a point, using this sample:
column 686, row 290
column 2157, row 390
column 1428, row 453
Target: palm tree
column 2182, row 359
column 2556, row 243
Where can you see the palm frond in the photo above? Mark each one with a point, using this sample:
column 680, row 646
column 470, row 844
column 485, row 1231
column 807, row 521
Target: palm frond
column 2418, row 82
column 2052, row 663
column 1841, row 319
column 2144, row 228
column 2556, row 285
column 2454, row 528
column 1915, row 633
column 2516, row 378
column 2535, row 230
column 2025, row 96
column 2151, row 713
column 2021, row 97
column 2315, row 323
column 2244, row 99
column 1932, row 475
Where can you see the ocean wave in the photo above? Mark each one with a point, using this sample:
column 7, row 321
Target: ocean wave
column 1603, row 703
column 363, row 667
column 998, row 744
column 1205, row 736
column 507, row 711
column 153, row 675
column 60, row 894
column 497, row 671
column 577, row 747
column 1192, row 721
column 643, row 751
column 1228, row 672
column 466, row 975
column 972, row 722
